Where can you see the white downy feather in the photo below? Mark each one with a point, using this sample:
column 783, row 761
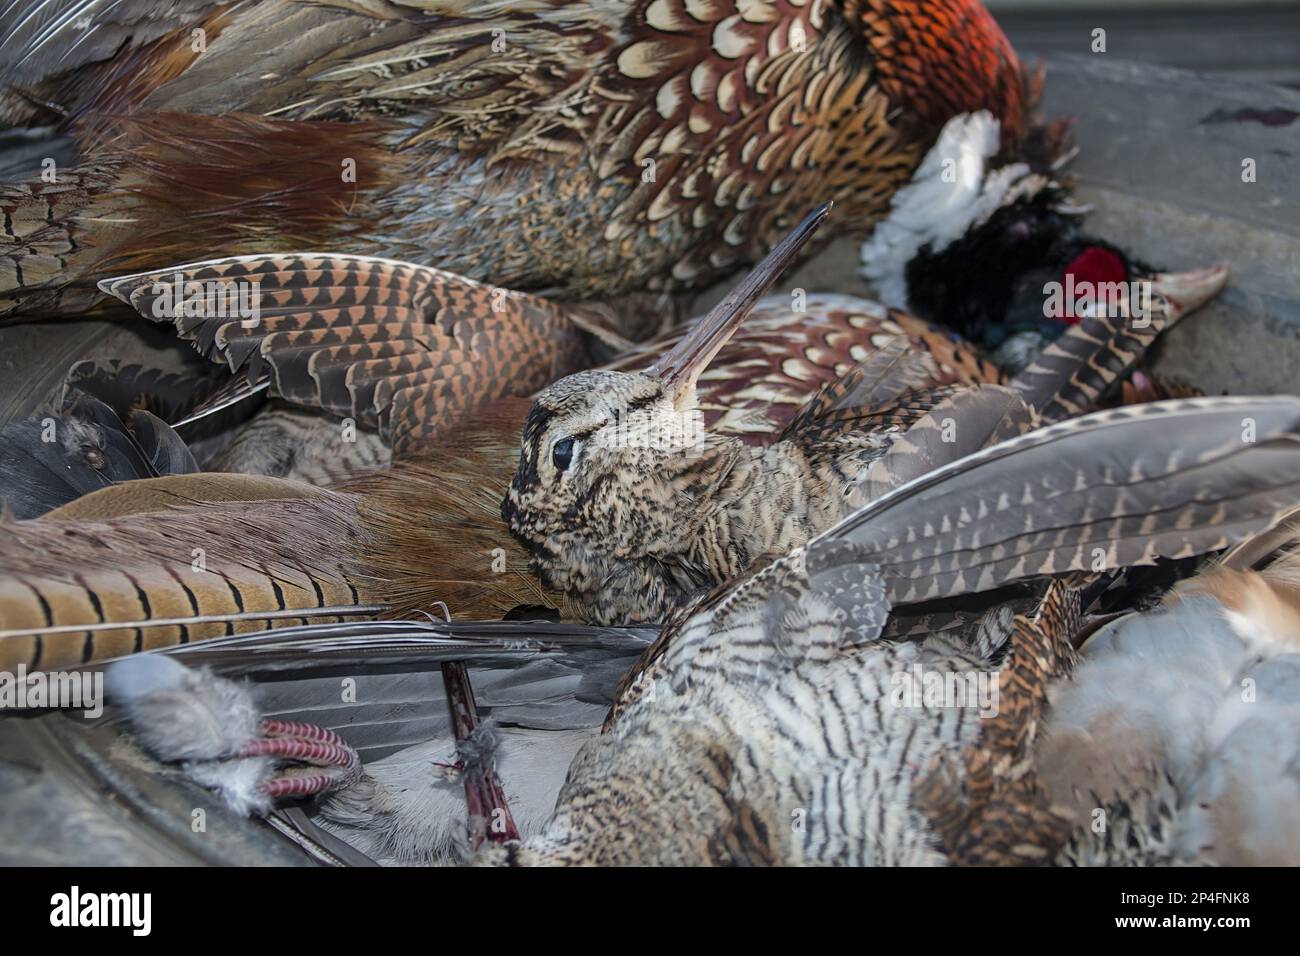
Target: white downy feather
column 951, row 191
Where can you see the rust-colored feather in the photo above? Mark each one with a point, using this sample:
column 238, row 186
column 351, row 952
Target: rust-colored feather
column 401, row 348
column 939, row 58
column 171, row 187
column 435, row 528
column 241, row 183
column 990, row 809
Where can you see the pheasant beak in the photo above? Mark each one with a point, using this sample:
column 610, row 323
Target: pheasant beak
column 681, row 368
column 1187, row 291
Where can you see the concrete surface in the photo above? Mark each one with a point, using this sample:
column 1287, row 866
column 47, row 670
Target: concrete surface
column 1160, row 158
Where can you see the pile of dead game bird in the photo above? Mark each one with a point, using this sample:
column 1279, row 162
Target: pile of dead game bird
column 847, row 581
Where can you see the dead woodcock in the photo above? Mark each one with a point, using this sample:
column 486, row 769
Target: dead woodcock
column 634, row 509
column 788, row 731
column 593, row 148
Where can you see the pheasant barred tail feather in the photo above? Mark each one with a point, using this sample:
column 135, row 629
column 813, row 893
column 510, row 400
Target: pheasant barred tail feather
column 1111, row 489
column 171, row 561
column 1072, row 374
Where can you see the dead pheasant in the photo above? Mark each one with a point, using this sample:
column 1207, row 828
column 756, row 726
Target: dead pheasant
column 408, row 349
column 596, row 148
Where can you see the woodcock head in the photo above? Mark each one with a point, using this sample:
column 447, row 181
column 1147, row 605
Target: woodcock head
column 614, row 466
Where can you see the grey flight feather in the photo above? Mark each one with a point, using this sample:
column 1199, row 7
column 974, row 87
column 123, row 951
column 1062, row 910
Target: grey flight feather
column 959, row 425
column 1120, row 487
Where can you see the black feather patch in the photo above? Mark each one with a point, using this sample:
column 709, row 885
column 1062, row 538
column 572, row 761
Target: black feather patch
column 989, row 283
column 45, row 463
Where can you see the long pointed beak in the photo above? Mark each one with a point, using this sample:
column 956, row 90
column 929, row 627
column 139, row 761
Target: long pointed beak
column 681, row 367
column 1188, row 291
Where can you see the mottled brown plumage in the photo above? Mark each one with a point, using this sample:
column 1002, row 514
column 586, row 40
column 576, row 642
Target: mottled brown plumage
column 987, row 806
column 412, row 352
column 784, row 730
column 631, row 506
column 594, row 147
column 786, row 352
column 1174, row 741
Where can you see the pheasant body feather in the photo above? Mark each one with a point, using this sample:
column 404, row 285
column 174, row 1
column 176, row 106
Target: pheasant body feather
column 597, row 148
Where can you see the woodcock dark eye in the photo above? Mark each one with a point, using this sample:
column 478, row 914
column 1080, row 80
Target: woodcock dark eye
column 562, row 453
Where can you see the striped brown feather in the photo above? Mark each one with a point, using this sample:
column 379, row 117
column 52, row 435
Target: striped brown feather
column 989, row 809
column 153, row 562
column 1074, row 372
column 399, row 347
column 1115, row 488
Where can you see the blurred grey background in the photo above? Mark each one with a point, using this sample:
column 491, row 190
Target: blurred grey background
column 1247, row 39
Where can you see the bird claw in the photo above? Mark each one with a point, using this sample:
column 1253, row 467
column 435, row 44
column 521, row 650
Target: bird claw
column 329, row 762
